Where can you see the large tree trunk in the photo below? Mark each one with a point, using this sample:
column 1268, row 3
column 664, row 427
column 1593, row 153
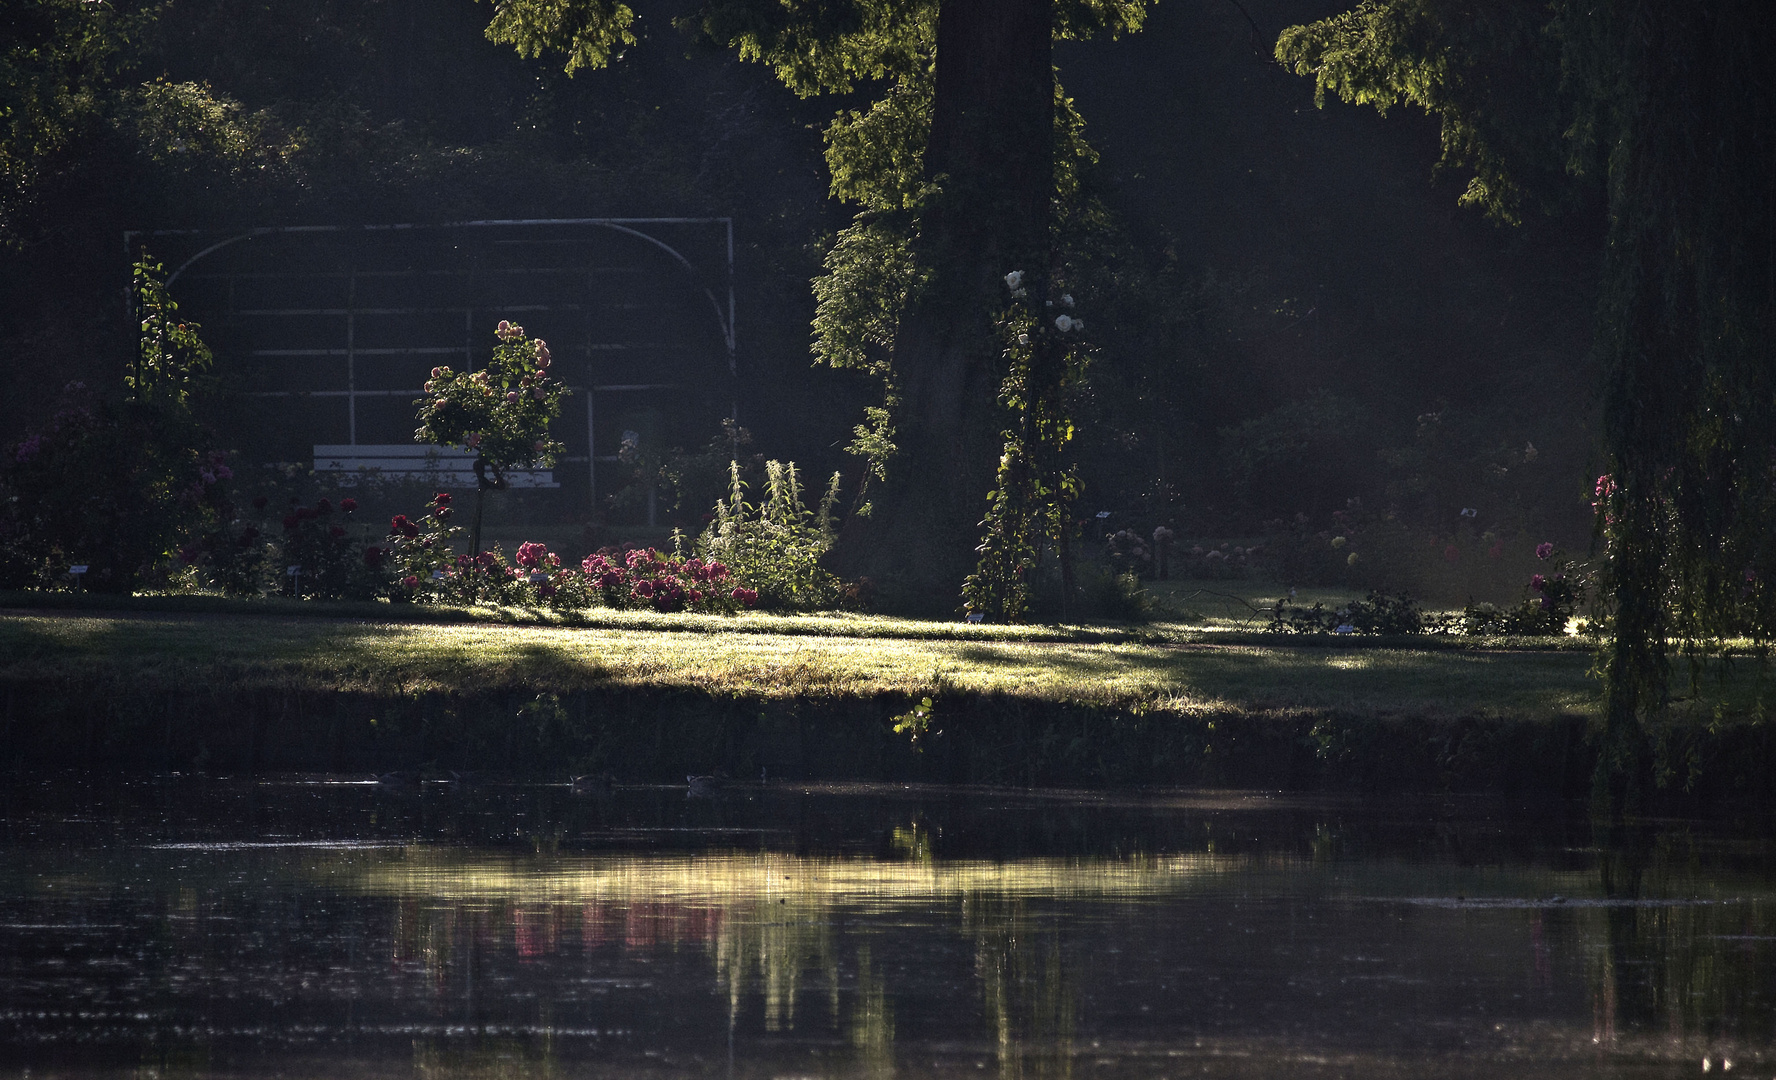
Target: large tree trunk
column 991, row 154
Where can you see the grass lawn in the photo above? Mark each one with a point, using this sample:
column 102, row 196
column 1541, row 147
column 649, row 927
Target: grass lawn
column 1205, row 650
column 774, row 657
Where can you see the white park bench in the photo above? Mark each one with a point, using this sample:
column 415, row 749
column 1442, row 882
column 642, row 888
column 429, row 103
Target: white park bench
column 444, row 466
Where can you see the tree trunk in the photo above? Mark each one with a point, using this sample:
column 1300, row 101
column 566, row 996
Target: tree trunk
column 991, row 155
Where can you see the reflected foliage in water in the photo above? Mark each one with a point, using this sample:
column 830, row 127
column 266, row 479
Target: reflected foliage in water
column 205, row 928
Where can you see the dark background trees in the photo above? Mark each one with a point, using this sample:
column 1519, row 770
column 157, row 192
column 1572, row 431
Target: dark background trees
column 1670, row 111
column 1281, row 288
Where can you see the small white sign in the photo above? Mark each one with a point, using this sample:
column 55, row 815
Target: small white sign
column 437, row 575
column 1102, row 514
column 77, row 569
column 1469, row 511
column 292, row 571
column 1345, row 628
column 977, row 616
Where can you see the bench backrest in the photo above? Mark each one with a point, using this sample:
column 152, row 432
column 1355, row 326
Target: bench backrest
column 445, row 466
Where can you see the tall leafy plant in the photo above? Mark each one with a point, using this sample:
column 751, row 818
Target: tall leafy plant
column 775, row 544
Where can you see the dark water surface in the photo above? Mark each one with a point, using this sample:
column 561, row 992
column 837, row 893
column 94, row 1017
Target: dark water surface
column 188, row 927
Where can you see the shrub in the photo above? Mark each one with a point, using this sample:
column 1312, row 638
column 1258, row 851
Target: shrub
column 1555, row 597
column 112, row 485
column 321, row 554
column 1379, row 613
column 417, row 558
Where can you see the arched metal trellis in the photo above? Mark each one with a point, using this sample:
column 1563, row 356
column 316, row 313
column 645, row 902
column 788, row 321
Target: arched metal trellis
column 354, row 315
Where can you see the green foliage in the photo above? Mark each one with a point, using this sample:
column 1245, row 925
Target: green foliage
column 871, row 276
column 588, row 32
column 187, row 126
column 326, row 548
column 57, row 60
column 103, row 485
column 1673, row 100
column 421, row 556
column 116, row 485
column 1113, row 593
column 1555, row 597
column 877, row 155
column 873, row 441
column 1379, row 613
column 1490, row 74
column 1297, row 456
column 1036, row 484
column 823, row 47
column 689, row 480
column 501, row 412
column 915, row 724
column 170, row 355
column 775, row 545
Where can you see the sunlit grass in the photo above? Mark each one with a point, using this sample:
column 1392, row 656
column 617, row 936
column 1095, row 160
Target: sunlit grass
column 1228, row 612
column 183, row 650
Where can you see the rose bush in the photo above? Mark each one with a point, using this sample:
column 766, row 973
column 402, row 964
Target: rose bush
column 645, row 578
column 501, row 413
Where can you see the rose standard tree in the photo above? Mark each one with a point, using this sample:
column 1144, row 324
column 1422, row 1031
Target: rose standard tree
column 501, row 413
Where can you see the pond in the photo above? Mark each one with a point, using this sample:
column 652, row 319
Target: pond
column 182, row 926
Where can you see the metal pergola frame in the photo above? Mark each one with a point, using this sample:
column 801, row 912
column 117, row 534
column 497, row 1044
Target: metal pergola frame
column 724, row 313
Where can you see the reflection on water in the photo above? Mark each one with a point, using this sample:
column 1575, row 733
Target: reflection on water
column 221, row 929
